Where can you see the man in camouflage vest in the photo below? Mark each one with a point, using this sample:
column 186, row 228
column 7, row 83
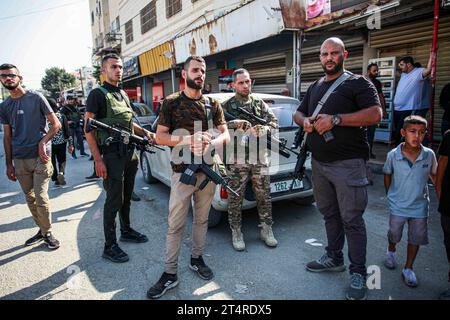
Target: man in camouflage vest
column 185, row 121
column 257, row 171
column 115, row 162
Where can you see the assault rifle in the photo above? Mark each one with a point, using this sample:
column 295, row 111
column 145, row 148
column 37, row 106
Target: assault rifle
column 119, row 134
column 299, row 171
column 188, row 177
column 248, row 116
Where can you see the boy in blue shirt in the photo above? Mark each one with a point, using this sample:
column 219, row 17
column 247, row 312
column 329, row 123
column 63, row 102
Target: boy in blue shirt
column 406, row 173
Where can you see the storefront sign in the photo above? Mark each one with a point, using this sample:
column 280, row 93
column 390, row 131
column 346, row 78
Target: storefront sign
column 130, row 68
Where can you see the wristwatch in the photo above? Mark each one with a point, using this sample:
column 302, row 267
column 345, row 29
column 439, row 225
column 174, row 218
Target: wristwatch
column 336, row 120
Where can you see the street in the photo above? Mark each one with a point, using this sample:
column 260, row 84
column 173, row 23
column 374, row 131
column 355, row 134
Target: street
column 77, row 271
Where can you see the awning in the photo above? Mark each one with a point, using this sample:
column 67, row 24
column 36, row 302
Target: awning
column 156, row 60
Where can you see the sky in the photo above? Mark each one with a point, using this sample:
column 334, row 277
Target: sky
column 39, row 34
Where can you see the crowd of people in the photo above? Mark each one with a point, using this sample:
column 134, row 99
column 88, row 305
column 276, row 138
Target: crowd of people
column 339, row 114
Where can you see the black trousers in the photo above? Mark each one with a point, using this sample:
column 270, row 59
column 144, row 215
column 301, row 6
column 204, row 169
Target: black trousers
column 445, row 223
column 341, row 197
column 399, row 117
column 78, row 134
column 58, row 159
column 121, row 171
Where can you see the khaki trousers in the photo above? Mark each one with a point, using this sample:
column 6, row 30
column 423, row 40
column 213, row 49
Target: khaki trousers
column 179, row 203
column 34, row 177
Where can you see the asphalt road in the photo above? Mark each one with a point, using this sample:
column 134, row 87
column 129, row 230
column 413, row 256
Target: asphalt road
column 77, row 271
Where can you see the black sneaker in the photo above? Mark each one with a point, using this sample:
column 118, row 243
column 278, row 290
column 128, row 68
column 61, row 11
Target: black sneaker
column 35, row 239
column 51, row 241
column 357, row 289
column 133, row 236
column 166, row 282
column 325, row 263
column 115, row 254
column 135, row 197
column 84, row 155
column 199, row 266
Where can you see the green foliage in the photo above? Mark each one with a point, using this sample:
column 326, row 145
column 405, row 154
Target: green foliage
column 57, row 79
column 97, row 72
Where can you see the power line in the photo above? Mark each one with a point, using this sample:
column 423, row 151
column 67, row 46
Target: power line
column 41, row 10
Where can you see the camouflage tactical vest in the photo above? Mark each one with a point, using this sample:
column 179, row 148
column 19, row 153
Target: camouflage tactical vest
column 254, row 106
column 118, row 113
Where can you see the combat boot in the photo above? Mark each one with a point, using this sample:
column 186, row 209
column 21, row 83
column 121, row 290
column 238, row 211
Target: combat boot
column 238, row 239
column 267, row 235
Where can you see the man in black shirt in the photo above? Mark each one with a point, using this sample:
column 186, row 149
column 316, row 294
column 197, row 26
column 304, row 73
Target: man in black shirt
column 371, row 75
column 444, row 102
column 339, row 170
column 443, row 190
column 115, row 162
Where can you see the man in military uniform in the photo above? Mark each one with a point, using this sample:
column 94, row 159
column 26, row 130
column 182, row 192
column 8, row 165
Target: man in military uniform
column 184, row 121
column 257, row 171
column 116, row 162
column 72, row 112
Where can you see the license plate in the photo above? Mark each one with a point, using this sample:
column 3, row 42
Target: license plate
column 282, row 186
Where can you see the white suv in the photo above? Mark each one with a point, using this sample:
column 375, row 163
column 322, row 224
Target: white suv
column 156, row 167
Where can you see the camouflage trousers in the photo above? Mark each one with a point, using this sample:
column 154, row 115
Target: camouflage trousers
column 239, row 176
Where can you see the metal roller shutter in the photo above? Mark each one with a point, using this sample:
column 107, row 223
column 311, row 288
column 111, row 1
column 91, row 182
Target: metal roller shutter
column 212, row 76
column 414, row 39
column 268, row 72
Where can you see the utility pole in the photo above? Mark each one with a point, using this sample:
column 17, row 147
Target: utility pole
column 81, row 80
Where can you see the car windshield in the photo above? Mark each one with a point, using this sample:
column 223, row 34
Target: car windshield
column 283, row 112
column 142, row 110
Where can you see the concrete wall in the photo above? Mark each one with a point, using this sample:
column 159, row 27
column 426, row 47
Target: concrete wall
column 192, row 14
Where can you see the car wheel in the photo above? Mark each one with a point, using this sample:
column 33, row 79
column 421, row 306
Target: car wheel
column 306, row 201
column 146, row 171
column 214, row 218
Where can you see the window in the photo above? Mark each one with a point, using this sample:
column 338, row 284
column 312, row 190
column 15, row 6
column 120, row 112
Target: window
column 172, row 7
column 129, row 32
column 148, row 17
column 92, row 17
column 115, row 25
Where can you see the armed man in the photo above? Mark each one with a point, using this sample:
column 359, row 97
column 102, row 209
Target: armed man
column 258, row 171
column 184, row 124
column 115, row 161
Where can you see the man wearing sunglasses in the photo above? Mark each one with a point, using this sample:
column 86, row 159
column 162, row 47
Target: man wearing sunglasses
column 27, row 143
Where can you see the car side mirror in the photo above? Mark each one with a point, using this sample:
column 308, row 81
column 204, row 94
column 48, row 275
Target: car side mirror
column 154, row 125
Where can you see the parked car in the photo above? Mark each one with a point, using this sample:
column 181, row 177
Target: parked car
column 144, row 114
column 156, row 167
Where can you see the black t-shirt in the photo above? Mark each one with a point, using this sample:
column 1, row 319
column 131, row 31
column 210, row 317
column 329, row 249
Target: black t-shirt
column 444, row 150
column 96, row 101
column 444, row 101
column 356, row 93
column 378, row 86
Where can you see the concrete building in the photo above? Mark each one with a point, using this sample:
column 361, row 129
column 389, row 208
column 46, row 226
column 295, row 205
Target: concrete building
column 276, row 40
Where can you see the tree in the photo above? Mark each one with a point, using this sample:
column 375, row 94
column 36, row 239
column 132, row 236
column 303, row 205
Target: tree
column 56, row 80
column 97, row 73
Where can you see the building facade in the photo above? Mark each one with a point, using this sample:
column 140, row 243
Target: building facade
column 278, row 41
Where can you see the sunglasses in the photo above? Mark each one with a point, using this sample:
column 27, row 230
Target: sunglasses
column 11, row 75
